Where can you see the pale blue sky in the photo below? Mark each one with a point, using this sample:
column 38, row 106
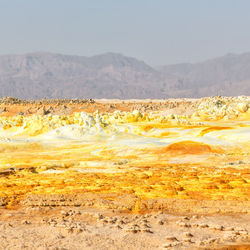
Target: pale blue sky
column 156, row 31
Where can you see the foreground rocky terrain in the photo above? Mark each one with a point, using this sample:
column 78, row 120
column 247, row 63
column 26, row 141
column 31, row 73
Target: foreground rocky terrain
column 132, row 174
column 79, row 228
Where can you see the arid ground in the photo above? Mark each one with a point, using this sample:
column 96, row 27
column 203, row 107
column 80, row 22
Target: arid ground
column 132, row 174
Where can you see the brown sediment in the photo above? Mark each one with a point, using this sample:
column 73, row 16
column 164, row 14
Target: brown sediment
column 134, row 204
column 208, row 130
column 189, row 147
column 14, row 106
column 234, row 247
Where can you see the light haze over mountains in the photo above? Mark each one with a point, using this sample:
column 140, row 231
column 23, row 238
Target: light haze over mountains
column 111, row 75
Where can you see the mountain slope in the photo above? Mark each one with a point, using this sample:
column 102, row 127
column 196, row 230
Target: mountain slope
column 48, row 75
column 110, row 75
column 227, row 75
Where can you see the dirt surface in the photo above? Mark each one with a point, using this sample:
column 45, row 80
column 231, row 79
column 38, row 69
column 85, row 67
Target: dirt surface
column 77, row 228
column 13, row 106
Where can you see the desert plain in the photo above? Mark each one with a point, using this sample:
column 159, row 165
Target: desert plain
column 125, row 174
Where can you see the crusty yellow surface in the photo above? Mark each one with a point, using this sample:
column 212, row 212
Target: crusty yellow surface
column 201, row 156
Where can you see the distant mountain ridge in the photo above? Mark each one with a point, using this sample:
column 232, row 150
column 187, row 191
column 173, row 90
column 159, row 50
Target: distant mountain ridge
column 111, row 75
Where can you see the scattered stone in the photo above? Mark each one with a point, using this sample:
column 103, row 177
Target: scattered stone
column 203, row 225
column 171, row 238
column 147, row 230
column 243, row 233
column 183, row 224
column 195, row 225
column 25, row 222
column 188, row 234
column 167, row 245
column 217, row 227
column 7, row 172
column 161, row 222
column 65, row 213
column 212, row 240
column 173, row 244
column 188, row 240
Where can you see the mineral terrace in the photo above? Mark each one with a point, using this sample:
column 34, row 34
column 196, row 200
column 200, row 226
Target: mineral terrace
column 132, row 174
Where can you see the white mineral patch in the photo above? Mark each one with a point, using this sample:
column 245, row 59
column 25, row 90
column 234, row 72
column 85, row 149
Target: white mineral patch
column 99, row 170
column 53, row 171
column 95, row 164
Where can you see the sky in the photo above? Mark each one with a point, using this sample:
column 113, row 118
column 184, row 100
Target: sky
column 158, row 32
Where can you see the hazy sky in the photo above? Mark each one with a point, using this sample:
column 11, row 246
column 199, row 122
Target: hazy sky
column 156, row 31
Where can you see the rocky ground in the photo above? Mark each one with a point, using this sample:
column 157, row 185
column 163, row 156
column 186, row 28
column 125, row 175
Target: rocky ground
column 12, row 106
column 78, row 228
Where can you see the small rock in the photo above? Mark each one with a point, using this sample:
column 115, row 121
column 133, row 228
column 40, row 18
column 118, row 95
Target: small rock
column 187, row 240
column 187, row 234
column 161, row 222
column 203, row 225
column 65, row 213
column 183, row 224
column 147, row 230
column 212, row 240
column 167, row 245
column 195, row 225
column 171, row 238
column 217, row 227
column 243, row 232
column 134, row 231
column 121, row 222
column 25, row 222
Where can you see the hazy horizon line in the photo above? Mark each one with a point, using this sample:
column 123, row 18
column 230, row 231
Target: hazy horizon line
column 125, row 55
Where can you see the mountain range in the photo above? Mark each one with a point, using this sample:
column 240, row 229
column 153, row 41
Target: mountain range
column 48, row 75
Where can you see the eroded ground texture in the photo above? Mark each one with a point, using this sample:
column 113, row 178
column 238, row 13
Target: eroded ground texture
column 135, row 174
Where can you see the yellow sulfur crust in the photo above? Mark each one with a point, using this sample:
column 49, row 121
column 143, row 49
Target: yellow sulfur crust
column 204, row 156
